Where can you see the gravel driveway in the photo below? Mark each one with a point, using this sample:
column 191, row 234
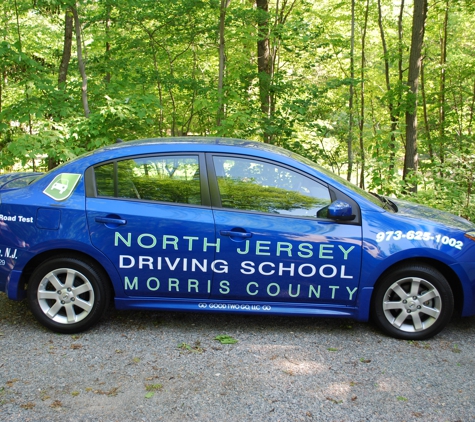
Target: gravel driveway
column 160, row 366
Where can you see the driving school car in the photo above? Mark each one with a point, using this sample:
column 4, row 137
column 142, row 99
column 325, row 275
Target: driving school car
column 225, row 225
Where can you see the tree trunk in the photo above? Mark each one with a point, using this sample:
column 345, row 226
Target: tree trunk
column 350, row 101
column 264, row 64
column 107, row 78
column 443, row 63
column 81, row 65
column 391, row 106
column 401, row 45
column 415, row 59
column 1, row 90
column 18, row 26
column 27, row 97
column 362, row 97
column 161, row 129
column 426, row 114
column 397, row 115
column 68, row 39
column 222, row 60
column 472, row 108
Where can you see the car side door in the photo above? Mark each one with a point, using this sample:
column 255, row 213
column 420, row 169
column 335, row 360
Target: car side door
column 148, row 214
column 273, row 231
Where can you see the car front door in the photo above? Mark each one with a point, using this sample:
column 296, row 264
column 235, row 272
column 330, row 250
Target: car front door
column 147, row 217
column 273, row 233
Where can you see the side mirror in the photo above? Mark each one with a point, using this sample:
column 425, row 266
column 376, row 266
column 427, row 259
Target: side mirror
column 340, row 211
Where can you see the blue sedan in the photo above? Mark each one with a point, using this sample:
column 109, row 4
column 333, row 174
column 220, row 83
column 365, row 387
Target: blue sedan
column 225, row 225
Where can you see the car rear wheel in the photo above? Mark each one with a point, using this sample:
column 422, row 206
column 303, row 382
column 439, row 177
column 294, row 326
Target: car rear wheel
column 67, row 294
column 413, row 302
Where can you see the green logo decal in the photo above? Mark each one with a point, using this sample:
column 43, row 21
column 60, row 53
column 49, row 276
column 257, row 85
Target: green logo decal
column 62, row 186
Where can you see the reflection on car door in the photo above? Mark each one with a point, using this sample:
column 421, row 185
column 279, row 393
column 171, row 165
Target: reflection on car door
column 276, row 247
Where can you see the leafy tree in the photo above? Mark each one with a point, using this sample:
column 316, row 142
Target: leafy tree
column 287, row 72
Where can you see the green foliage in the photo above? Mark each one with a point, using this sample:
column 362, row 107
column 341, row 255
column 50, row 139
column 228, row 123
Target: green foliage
column 153, row 387
column 244, row 195
column 152, row 70
column 196, row 348
column 226, row 339
column 169, row 190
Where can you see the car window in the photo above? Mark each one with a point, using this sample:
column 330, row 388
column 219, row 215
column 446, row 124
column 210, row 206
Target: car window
column 368, row 196
column 164, row 178
column 20, row 182
column 248, row 184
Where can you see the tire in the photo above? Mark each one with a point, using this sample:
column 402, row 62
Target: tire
column 413, row 302
column 68, row 295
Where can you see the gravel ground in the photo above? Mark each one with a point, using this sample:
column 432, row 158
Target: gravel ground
column 161, row 366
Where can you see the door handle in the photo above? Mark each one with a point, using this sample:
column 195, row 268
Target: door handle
column 109, row 220
column 231, row 233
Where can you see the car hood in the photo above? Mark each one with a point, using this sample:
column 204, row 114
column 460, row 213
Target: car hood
column 412, row 209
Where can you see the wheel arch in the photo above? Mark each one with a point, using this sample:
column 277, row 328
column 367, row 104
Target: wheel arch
column 450, row 275
column 53, row 253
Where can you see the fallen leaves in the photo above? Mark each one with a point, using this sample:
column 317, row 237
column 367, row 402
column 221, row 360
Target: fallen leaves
column 225, row 339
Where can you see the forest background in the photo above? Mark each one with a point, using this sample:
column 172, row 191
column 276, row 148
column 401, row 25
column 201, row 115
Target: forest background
column 381, row 92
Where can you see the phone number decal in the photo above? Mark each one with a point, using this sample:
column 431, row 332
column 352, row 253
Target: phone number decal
column 418, row 235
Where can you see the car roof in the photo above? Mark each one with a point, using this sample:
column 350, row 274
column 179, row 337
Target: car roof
column 197, row 140
column 191, row 144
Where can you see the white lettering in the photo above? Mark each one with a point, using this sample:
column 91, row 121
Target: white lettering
column 122, row 264
column 247, row 267
column 343, row 275
column 312, row 272
column 332, row 268
column 223, row 268
column 261, row 271
column 146, row 260
column 289, row 269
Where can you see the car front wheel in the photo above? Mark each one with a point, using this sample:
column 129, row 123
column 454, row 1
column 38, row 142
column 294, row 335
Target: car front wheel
column 67, row 294
column 413, row 302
